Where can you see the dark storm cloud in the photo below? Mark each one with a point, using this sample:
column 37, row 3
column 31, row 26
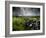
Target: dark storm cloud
column 16, row 11
column 21, row 11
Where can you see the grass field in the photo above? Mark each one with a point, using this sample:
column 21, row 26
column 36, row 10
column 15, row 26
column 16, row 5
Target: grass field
column 20, row 23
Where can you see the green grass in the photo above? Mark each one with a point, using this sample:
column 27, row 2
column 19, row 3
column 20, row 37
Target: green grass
column 18, row 23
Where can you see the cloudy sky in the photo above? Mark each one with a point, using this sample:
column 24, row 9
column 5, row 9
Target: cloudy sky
column 24, row 11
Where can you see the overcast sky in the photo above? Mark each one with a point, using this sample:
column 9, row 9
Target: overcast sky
column 23, row 11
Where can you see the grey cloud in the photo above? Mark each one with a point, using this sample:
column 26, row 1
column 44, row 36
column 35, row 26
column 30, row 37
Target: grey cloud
column 21, row 11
